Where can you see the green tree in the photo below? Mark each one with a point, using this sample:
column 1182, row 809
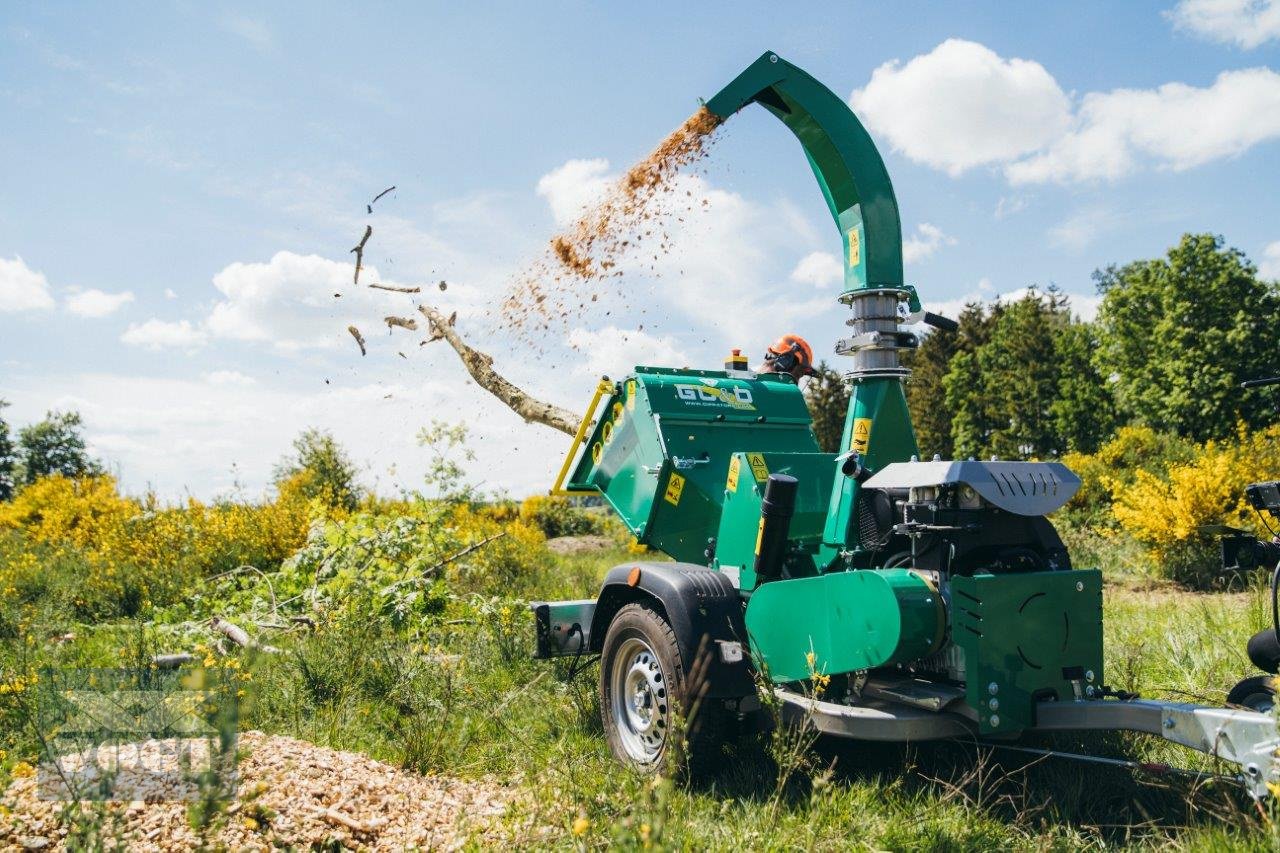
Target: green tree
column 1022, row 383
column 1084, row 414
column 8, row 457
column 320, row 468
column 827, row 394
column 1177, row 335
column 926, row 396
column 55, row 445
column 972, row 415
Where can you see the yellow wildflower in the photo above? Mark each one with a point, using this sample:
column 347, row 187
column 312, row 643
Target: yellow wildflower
column 580, row 826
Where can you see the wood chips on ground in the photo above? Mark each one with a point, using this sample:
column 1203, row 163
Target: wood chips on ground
column 289, row 793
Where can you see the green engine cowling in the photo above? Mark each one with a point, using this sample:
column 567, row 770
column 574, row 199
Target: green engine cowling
column 844, row 621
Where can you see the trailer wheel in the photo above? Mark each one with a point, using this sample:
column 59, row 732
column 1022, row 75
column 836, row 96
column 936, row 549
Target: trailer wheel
column 1257, row 693
column 642, row 687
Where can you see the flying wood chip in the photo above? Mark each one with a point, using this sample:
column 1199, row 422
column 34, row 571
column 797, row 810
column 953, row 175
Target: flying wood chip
column 396, row 289
column 370, row 205
column 359, row 250
column 403, row 322
column 355, row 333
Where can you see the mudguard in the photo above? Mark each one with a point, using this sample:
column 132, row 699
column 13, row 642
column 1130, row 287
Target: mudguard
column 703, row 609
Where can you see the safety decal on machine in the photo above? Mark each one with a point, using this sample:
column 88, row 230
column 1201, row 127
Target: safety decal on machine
column 861, row 435
column 732, row 482
column 674, row 487
column 631, row 395
column 855, row 247
column 759, row 470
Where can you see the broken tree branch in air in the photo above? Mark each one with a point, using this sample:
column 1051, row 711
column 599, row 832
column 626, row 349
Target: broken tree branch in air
column 359, row 250
column 480, row 366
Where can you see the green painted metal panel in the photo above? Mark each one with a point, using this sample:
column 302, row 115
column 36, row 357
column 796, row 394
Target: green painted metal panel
column 744, row 490
column 660, row 452
column 1019, row 632
column 849, row 620
column 844, row 159
column 878, row 426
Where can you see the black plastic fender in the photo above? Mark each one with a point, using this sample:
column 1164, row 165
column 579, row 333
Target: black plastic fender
column 701, row 605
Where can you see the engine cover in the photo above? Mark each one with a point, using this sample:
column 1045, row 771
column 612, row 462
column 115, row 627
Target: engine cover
column 1022, row 488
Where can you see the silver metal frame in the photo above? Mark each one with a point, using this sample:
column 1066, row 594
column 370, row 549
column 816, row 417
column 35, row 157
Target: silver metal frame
column 1245, row 738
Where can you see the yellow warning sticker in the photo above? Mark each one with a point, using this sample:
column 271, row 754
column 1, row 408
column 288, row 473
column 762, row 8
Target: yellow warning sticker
column 759, row 470
column 855, row 248
column 861, row 435
column 732, row 483
column 631, row 394
column 674, row 487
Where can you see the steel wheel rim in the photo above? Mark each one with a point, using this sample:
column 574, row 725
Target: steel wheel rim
column 639, row 700
column 1262, row 702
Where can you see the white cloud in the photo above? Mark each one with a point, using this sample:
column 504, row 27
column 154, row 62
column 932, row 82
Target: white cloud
column 164, row 334
column 252, row 30
column 927, row 240
column 1246, row 23
column 821, row 269
column 183, row 436
column 961, row 105
column 22, row 288
column 97, row 303
column 289, row 303
column 571, row 188
column 1010, row 205
column 229, row 377
column 1082, row 228
column 1115, row 131
column 1270, row 265
column 170, row 293
column 612, row 351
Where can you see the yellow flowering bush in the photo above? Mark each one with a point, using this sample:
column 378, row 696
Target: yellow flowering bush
column 115, row 555
column 1167, row 512
column 60, row 509
column 557, row 516
column 1115, row 466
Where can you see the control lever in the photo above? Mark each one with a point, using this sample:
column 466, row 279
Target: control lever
column 929, row 318
column 946, row 324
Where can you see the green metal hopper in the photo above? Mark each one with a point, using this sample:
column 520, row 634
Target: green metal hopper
column 661, row 450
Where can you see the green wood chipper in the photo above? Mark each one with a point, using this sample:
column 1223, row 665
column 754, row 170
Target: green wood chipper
column 877, row 596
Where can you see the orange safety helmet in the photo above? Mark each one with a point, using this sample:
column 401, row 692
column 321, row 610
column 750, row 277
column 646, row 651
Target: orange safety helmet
column 790, row 354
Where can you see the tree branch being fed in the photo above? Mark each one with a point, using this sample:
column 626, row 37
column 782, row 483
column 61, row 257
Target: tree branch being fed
column 480, row 366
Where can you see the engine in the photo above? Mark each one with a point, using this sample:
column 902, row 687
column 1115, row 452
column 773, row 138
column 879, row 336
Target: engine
column 957, row 519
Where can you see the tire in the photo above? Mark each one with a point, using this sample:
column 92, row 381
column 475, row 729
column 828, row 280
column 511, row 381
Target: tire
column 1257, row 693
column 643, row 687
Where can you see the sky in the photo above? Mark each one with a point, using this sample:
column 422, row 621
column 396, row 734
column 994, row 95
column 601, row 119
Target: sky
column 180, row 185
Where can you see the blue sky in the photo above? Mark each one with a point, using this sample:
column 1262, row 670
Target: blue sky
column 180, row 186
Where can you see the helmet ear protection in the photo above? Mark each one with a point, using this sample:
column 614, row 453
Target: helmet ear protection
column 786, row 362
